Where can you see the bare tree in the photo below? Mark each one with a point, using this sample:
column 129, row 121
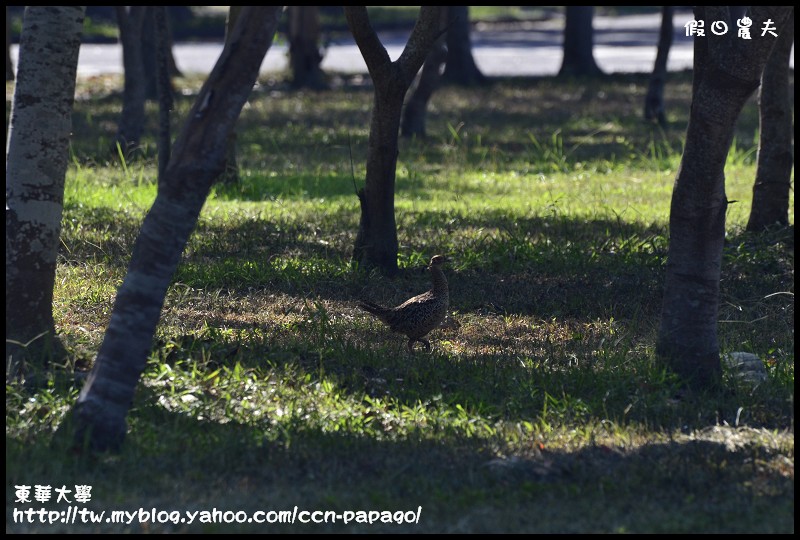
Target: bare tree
column 164, row 88
column 775, row 157
column 197, row 160
column 9, row 63
column 654, row 100
column 416, row 109
column 304, row 51
column 727, row 71
column 181, row 12
column 460, row 67
column 36, row 164
column 146, row 47
column 149, row 44
column 376, row 241
column 579, row 43
column 132, row 118
column 230, row 174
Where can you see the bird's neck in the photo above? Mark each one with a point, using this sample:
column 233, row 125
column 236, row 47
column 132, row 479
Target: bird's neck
column 439, row 281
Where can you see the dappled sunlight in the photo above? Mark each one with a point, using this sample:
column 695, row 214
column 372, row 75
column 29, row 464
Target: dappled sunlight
column 541, row 405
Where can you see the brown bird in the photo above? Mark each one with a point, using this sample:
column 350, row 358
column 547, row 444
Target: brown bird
column 418, row 315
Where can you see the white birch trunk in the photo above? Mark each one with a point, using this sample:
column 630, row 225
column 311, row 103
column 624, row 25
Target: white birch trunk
column 36, row 164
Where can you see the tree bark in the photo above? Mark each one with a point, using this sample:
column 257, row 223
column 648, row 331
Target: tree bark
column 460, row 67
column 132, row 118
column 416, row 110
column 230, row 174
column 164, row 89
column 727, row 70
column 654, row 100
column 376, row 241
column 579, row 43
column 9, row 63
column 197, row 160
column 36, row 164
column 149, row 47
column 174, row 70
column 775, row 157
column 304, row 53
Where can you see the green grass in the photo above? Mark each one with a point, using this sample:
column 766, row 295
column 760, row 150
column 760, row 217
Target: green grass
column 542, row 410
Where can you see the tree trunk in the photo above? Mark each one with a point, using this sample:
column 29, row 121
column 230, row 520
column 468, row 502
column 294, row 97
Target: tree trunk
column 775, row 157
column 304, row 54
column 654, row 100
column 726, row 72
column 149, row 47
column 36, row 164
column 230, row 174
column 164, row 89
column 579, row 43
column 132, row 118
column 415, row 113
column 197, row 160
column 174, row 70
column 376, row 241
column 9, row 63
column 460, row 68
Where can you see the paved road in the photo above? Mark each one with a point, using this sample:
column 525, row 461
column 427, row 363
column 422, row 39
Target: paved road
column 622, row 44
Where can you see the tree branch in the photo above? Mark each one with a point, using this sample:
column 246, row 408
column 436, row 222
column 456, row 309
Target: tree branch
column 369, row 44
column 425, row 32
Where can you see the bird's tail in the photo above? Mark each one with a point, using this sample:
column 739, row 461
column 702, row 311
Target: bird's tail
column 375, row 309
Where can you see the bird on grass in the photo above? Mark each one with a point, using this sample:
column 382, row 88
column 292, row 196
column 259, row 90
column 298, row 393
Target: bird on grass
column 418, row 315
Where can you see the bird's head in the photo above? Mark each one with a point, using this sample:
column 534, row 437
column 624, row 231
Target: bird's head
column 438, row 260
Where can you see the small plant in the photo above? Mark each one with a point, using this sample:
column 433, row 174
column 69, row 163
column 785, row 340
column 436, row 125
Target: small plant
column 550, row 154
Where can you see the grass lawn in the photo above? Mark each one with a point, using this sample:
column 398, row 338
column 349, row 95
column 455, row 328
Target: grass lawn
column 540, row 407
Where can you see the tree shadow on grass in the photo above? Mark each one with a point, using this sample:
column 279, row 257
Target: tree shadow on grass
column 545, row 267
column 714, row 480
column 539, row 266
column 549, row 373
